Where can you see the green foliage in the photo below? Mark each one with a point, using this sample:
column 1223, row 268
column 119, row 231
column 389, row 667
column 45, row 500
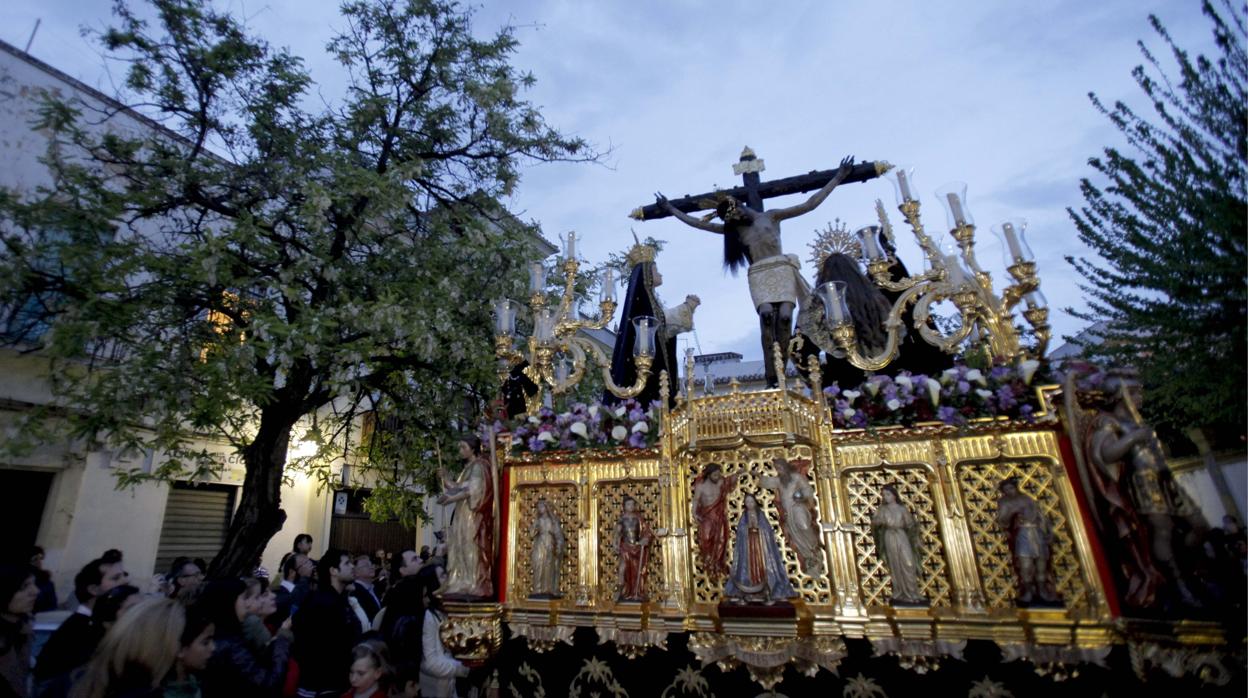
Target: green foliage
column 270, row 268
column 1168, row 225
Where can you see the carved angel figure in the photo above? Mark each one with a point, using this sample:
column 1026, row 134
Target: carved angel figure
column 799, row 520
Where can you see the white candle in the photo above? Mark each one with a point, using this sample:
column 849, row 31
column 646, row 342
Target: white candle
column 904, row 184
column 954, row 268
column 1011, row 240
column 537, row 277
column 608, row 285
column 569, row 247
column 505, row 317
column 869, row 243
column 955, row 206
column 838, row 315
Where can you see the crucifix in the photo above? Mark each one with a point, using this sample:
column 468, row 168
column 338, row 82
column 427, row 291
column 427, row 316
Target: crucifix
column 752, row 236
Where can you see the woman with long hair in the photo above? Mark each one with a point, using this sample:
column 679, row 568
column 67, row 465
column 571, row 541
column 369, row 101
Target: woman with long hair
column 137, row 653
column 236, row 669
column 18, row 593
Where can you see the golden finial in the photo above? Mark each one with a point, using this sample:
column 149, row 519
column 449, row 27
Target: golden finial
column 835, row 239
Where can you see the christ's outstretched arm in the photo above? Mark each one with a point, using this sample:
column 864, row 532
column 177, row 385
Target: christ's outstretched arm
column 686, row 218
column 813, row 202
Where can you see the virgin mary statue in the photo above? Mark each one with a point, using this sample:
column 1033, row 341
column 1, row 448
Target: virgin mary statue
column 758, row 571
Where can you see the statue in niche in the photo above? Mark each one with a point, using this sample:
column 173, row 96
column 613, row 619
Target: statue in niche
column 1142, row 513
column 758, row 572
column 470, row 562
column 710, row 512
column 799, row 518
column 548, row 549
column 897, row 542
column 632, row 544
column 1029, row 535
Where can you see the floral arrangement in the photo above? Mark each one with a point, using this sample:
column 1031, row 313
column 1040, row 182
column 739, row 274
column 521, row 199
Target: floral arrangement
column 628, row 424
column 954, row 397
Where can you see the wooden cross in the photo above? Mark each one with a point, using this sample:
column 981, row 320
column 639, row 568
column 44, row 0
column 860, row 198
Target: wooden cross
column 753, row 191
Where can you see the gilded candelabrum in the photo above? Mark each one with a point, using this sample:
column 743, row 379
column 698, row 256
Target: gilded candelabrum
column 953, row 275
column 557, row 354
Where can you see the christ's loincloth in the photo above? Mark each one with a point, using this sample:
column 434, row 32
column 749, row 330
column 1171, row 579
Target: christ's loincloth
column 778, row 280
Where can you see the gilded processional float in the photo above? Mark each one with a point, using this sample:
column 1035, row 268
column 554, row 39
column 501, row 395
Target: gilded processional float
column 880, row 496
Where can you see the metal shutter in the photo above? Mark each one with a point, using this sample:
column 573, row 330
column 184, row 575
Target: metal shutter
column 196, row 518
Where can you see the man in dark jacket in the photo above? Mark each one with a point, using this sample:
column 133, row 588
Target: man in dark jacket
column 75, row 640
column 326, row 629
column 363, row 590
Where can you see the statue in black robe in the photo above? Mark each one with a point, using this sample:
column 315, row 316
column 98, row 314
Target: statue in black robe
column 639, row 301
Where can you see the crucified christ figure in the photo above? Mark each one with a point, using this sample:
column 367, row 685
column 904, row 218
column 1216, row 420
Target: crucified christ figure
column 752, row 238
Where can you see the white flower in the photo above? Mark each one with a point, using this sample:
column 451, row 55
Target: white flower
column 850, row 395
column 933, row 391
column 579, row 429
column 872, row 387
column 975, row 375
column 985, row 394
column 847, row 412
column 547, row 436
column 534, row 420
column 949, row 375
column 1028, row 370
column 593, row 410
column 619, row 412
column 641, row 427
column 904, row 380
column 619, row 432
column 893, row 404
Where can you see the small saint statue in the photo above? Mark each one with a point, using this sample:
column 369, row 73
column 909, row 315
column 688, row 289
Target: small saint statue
column 632, row 544
column 799, row 519
column 470, row 565
column 1029, row 535
column 710, row 513
column 758, row 572
column 897, row 543
column 547, row 555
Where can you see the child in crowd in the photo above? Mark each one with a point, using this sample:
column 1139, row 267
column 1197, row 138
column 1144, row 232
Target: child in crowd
column 369, row 671
column 406, row 681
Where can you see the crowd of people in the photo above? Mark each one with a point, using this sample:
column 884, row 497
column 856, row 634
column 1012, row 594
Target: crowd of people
column 344, row 625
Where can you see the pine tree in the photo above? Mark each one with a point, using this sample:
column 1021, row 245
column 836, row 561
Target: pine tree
column 1169, row 227
column 278, row 263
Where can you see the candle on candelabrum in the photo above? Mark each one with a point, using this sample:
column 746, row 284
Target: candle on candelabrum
column 505, row 317
column 953, row 265
column 1011, row 241
column 869, row 244
column 537, row 277
column 904, row 183
column 569, row 245
column 607, row 292
column 955, row 206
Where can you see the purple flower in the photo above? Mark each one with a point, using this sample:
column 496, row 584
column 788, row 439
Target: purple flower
column 949, row 415
column 832, row 390
column 636, row 414
column 999, row 373
column 637, row 440
column 536, row 445
column 1005, row 397
column 963, row 387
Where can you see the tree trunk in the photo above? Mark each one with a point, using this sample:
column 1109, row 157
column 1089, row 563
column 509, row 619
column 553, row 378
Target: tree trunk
column 259, row 515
